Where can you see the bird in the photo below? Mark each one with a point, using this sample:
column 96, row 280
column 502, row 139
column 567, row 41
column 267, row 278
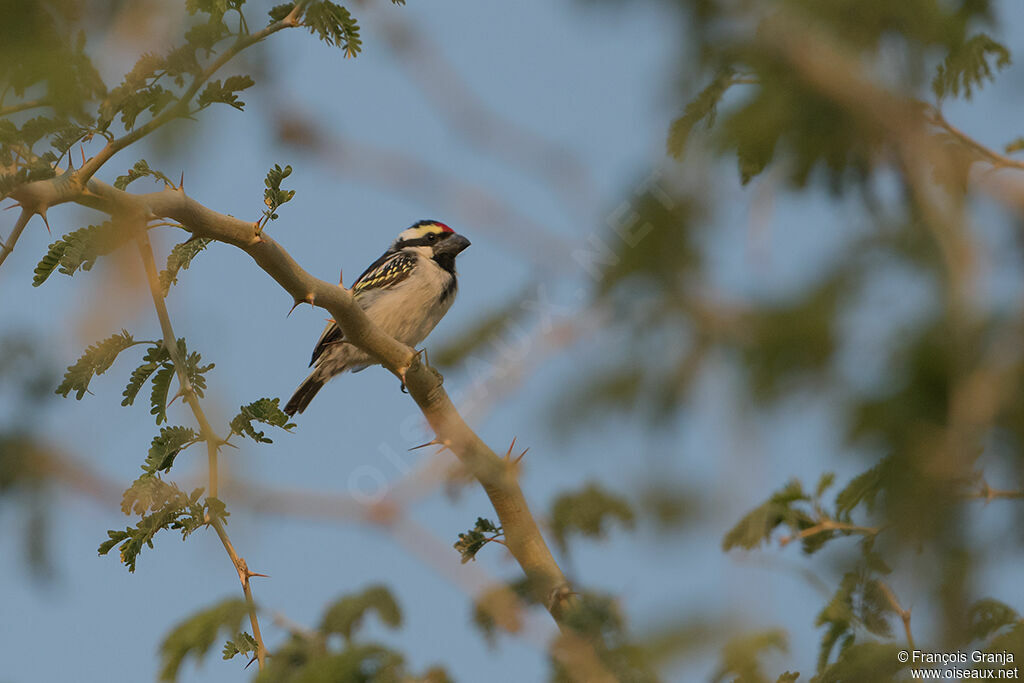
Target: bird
column 405, row 293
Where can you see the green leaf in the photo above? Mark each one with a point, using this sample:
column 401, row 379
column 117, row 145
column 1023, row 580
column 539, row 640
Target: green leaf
column 166, row 446
column 274, row 196
column 242, row 644
column 264, row 410
column 224, row 93
column 334, row 25
column 155, row 356
column 1015, row 146
column 587, row 513
column 194, row 636
column 826, row 481
column 141, row 169
column 472, row 541
column 968, row 66
column 180, row 259
column 864, row 488
column 79, row 250
column 96, row 360
column 346, row 614
column 161, row 388
column 279, row 12
column 704, row 107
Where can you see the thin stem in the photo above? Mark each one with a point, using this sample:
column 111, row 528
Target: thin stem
column 904, row 613
column 22, row 106
column 998, row 160
column 205, row 428
column 243, row 575
column 7, row 247
column 829, row 525
column 989, row 494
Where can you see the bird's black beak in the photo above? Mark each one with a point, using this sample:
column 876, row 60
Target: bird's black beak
column 453, row 245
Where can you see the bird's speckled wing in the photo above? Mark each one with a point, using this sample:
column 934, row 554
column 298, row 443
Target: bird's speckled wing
column 387, row 271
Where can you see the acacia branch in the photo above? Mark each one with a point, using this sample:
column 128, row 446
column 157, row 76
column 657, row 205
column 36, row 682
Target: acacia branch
column 213, row 442
column 548, row 583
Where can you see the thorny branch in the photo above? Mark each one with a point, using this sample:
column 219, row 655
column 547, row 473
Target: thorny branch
column 524, row 540
column 213, row 442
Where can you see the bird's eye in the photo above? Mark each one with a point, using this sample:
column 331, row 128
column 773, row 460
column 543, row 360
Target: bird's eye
column 432, row 237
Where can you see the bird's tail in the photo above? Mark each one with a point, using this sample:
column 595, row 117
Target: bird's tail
column 304, row 394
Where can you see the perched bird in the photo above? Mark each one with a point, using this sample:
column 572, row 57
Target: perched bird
column 405, row 293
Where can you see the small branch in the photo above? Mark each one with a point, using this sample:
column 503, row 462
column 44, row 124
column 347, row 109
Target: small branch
column 829, row 525
column 205, row 428
column 7, row 247
column 904, row 613
column 23, row 106
column 988, row 494
column 935, row 117
column 243, row 575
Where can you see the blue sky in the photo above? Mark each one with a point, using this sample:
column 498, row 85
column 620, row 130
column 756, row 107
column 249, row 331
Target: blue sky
column 596, row 80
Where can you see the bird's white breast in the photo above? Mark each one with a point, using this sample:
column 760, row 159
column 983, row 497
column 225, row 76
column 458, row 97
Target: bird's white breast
column 409, row 310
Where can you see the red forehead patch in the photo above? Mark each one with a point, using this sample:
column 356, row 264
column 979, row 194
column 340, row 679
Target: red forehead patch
column 444, row 228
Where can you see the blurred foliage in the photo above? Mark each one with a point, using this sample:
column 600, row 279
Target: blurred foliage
column 310, row 655
column 194, row 636
column 346, row 614
column 803, row 96
column 587, row 513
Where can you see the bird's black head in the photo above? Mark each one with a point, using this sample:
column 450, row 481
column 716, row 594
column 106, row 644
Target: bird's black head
column 438, row 241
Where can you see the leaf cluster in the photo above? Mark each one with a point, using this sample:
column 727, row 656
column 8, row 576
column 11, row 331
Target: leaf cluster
column 273, row 195
column 471, row 542
column 161, row 505
column 330, row 22
column 805, row 515
column 967, row 67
